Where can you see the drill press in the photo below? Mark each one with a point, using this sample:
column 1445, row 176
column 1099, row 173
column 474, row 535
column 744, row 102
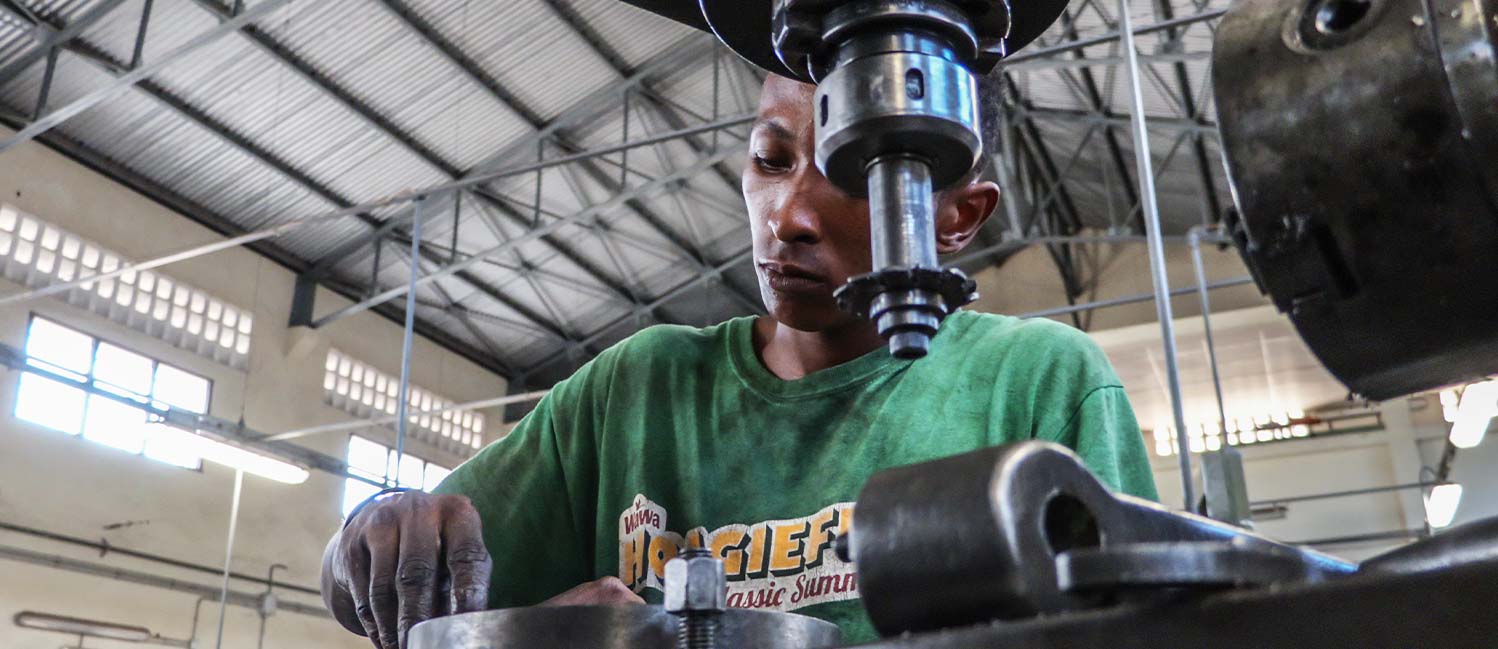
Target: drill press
column 896, row 121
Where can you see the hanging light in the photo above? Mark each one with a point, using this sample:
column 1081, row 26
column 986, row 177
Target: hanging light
column 1479, row 404
column 1441, row 504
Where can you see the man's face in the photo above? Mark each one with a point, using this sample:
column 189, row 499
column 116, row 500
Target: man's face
column 809, row 236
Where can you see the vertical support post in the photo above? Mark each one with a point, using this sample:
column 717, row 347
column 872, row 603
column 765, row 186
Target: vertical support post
column 1194, row 238
column 405, row 386
column 1222, row 471
column 1149, row 201
column 223, row 594
column 303, row 300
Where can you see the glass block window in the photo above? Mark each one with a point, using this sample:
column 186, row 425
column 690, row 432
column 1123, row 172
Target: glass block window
column 377, row 462
column 86, row 360
column 34, row 254
column 357, row 388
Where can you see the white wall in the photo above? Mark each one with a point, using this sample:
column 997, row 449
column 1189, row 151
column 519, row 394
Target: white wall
column 1028, row 281
column 1413, row 436
column 52, row 481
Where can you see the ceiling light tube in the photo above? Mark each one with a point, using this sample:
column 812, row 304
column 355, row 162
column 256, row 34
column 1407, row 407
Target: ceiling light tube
column 242, row 459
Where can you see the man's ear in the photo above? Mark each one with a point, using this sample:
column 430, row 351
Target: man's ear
column 961, row 214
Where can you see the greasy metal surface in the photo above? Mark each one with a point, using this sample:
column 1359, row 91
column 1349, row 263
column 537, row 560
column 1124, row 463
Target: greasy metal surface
column 1019, row 506
column 614, row 627
column 1363, row 159
column 1448, row 608
column 1192, row 564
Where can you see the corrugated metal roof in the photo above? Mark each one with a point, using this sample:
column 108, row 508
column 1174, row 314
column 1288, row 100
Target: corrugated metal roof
column 347, row 100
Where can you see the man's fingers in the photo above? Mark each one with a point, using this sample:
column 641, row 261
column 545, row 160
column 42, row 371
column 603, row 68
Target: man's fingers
column 384, row 558
column 358, row 588
column 601, row 592
column 416, row 574
column 467, row 559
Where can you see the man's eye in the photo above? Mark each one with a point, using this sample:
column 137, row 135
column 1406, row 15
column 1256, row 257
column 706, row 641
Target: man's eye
column 770, row 163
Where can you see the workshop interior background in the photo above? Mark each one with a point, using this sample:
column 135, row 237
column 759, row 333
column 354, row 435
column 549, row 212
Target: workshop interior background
column 134, row 129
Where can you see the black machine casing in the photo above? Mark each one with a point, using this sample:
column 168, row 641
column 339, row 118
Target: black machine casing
column 1362, row 142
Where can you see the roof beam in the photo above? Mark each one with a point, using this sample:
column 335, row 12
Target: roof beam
column 1195, row 126
column 51, row 37
column 615, row 60
column 263, row 156
column 222, row 225
column 321, row 81
column 312, row 75
column 656, row 185
column 125, row 81
column 478, row 75
column 718, row 270
column 483, row 79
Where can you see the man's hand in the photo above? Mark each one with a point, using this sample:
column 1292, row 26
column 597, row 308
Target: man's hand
column 404, row 559
column 606, row 591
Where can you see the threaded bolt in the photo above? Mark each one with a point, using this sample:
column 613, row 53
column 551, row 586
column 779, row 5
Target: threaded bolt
column 696, row 594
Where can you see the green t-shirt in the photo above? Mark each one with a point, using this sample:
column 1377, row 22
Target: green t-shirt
column 682, row 435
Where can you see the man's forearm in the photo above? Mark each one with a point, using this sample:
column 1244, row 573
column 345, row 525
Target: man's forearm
column 338, row 600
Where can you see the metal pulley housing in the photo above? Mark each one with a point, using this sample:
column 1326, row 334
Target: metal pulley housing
column 1361, row 137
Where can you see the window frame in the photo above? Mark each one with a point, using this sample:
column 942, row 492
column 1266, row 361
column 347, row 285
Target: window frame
column 386, row 479
column 89, row 382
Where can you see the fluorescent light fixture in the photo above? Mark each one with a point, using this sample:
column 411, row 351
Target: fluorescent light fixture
column 235, row 457
column 1478, row 406
column 1441, row 504
column 81, row 627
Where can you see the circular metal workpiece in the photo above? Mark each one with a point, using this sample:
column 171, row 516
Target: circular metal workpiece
column 1362, row 142
column 614, row 627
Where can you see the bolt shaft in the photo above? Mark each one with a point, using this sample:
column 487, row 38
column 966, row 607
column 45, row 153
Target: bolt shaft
column 697, row 631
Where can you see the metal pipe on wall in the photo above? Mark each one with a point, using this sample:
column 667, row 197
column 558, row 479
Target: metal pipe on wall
column 105, row 548
column 210, row 593
column 1149, row 201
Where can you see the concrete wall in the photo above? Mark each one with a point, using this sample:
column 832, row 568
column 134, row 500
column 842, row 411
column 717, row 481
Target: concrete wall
column 72, row 486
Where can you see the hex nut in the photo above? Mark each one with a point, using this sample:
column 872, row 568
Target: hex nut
column 695, row 583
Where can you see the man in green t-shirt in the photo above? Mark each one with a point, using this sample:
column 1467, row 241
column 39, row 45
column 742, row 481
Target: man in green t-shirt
column 751, row 438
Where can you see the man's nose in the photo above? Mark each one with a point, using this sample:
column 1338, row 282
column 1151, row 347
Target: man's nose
column 796, row 218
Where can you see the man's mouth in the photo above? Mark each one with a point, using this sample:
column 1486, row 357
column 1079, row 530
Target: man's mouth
column 789, row 278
